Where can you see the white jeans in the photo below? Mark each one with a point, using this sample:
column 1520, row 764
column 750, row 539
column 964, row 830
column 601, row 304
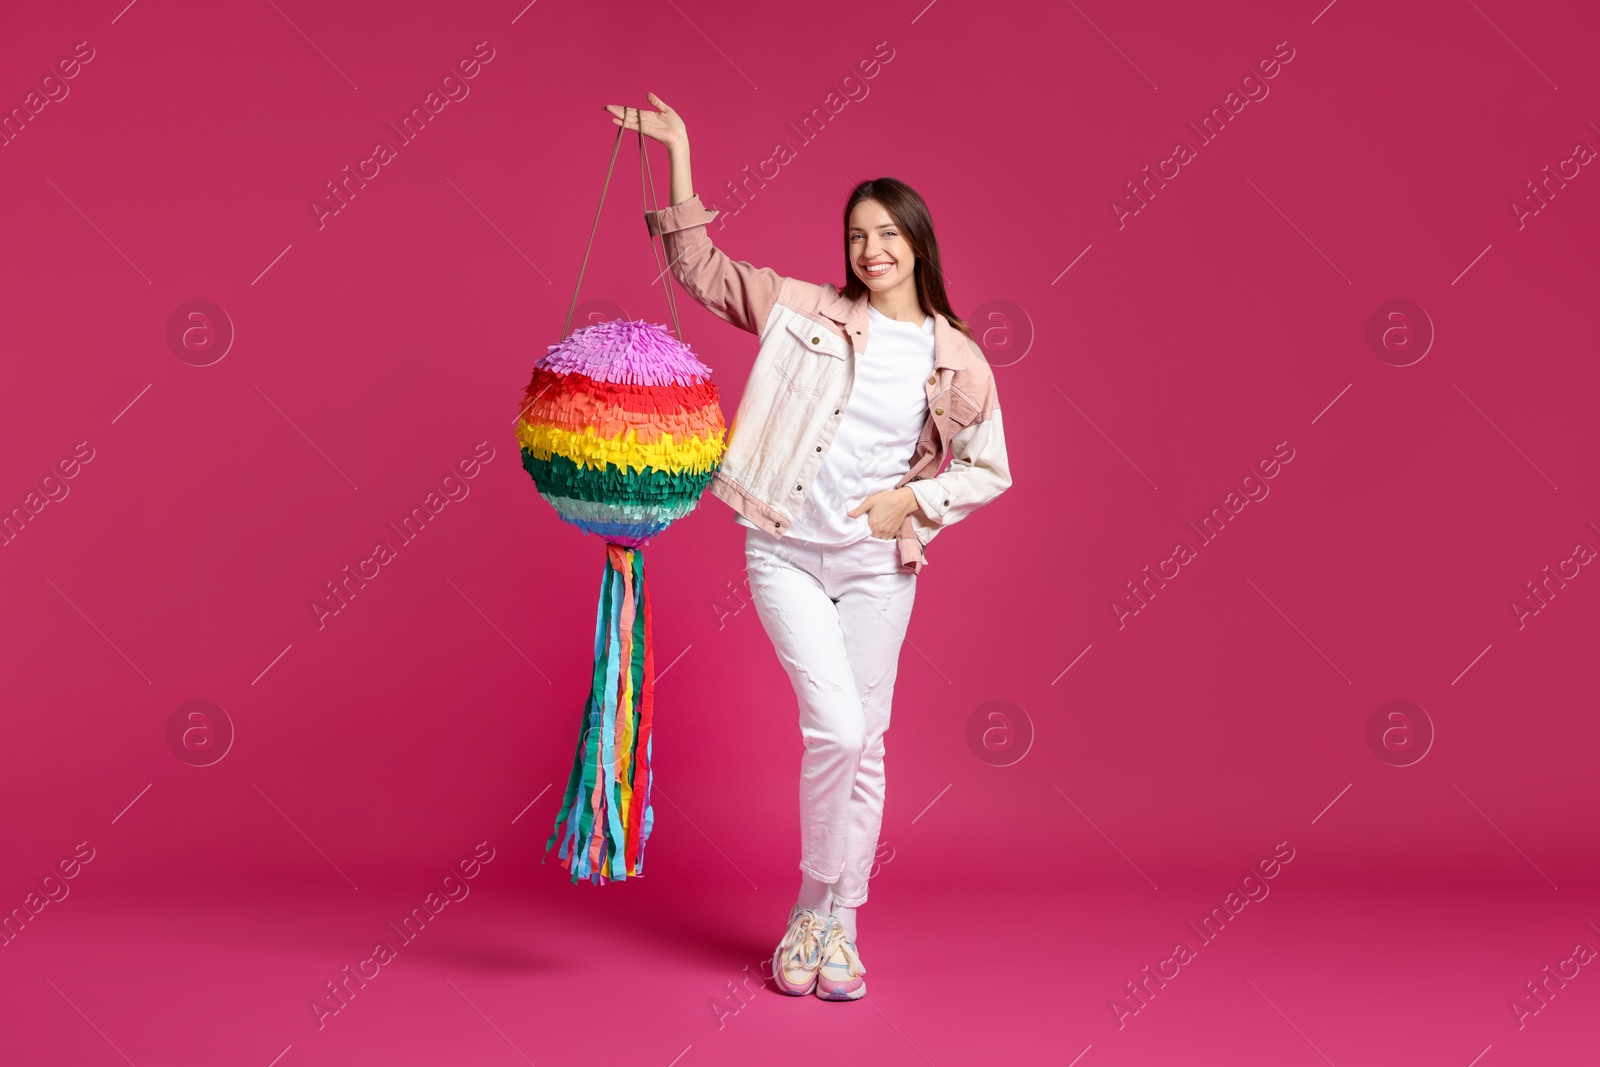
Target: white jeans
column 836, row 617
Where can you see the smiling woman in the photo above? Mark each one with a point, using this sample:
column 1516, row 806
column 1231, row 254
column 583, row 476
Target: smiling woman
column 861, row 397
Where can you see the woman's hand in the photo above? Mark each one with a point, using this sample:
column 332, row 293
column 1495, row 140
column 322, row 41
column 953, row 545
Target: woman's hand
column 662, row 125
column 886, row 511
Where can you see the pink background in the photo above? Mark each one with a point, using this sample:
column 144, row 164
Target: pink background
column 1228, row 315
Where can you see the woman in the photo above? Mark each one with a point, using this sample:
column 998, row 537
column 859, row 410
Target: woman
column 854, row 403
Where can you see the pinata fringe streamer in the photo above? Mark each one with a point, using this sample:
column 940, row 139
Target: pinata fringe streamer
column 606, row 809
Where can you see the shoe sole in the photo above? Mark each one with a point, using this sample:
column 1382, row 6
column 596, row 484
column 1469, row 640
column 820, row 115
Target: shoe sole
column 856, row 994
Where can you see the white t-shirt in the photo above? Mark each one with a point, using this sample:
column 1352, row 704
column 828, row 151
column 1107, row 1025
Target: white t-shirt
column 877, row 434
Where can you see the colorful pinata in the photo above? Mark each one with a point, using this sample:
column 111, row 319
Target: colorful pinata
column 622, row 430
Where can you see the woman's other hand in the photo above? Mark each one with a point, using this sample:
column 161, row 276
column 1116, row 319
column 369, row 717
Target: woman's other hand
column 886, row 511
column 662, row 125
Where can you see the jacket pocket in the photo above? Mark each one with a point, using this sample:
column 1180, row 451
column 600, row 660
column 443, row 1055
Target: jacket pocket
column 956, row 408
column 816, row 336
column 806, row 365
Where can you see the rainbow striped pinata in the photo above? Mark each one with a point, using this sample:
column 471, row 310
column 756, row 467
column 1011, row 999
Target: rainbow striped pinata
column 622, row 430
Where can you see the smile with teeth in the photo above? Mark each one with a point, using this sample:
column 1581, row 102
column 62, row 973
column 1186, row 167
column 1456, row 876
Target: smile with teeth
column 876, row 269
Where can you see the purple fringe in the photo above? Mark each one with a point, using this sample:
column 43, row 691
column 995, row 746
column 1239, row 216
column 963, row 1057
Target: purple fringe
column 638, row 352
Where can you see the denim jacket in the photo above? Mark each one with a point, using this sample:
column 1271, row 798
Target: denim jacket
column 801, row 381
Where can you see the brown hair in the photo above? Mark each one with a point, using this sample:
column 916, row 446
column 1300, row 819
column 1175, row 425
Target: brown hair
column 910, row 213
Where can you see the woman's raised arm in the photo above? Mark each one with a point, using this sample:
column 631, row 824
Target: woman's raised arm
column 733, row 290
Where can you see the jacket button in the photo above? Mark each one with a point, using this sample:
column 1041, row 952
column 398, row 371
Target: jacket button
column 816, row 340
column 933, row 380
column 947, row 503
column 836, row 411
column 819, row 448
column 938, row 411
column 797, row 488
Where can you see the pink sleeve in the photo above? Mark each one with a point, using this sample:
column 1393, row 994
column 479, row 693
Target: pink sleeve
column 733, row 290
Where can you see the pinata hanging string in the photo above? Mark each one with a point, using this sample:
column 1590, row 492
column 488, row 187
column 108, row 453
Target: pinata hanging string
column 647, row 196
column 661, row 270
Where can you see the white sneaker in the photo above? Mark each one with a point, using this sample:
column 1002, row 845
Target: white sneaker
column 799, row 954
column 841, row 974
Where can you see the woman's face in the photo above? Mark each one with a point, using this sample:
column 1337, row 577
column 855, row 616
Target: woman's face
column 879, row 252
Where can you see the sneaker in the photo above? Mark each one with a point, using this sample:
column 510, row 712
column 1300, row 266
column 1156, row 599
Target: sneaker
column 840, row 977
column 794, row 964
